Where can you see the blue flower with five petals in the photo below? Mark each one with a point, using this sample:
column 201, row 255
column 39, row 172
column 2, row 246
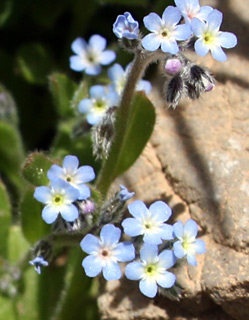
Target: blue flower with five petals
column 187, row 245
column 59, row 198
column 38, row 262
column 165, row 31
column 191, row 9
column 90, row 56
column 76, row 177
column 105, row 253
column 210, row 38
column 149, row 222
column 151, row 270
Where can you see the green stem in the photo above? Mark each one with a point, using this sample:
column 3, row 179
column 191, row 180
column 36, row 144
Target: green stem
column 140, row 63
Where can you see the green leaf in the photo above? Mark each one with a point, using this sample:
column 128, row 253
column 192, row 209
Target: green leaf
column 7, row 107
column 18, row 245
column 35, row 63
column 62, row 89
column 7, row 310
column 35, row 168
column 33, row 226
column 129, row 142
column 11, row 154
column 5, row 220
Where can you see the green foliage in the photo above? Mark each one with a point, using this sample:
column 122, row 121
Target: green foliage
column 5, row 220
column 35, row 168
column 34, row 228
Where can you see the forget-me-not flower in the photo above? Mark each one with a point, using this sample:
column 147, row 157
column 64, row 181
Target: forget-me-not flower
column 90, row 56
column 75, row 176
column 105, row 253
column 191, row 9
column 124, row 194
column 59, row 198
column 38, row 262
column 187, row 245
column 165, row 31
column 210, row 38
column 151, row 270
column 118, row 78
column 100, row 100
column 126, row 27
column 149, row 222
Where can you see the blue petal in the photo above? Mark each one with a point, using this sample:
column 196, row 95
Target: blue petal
column 134, row 270
column 112, row 271
column 201, row 48
column 138, row 209
column 148, row 287
column 153, row 22
column 97, row 92
column 85, row 105
column 178, row 249
column 97, row 42
column 70, row 163
column 144, row 85
column 171, row 15
column 107, row 57
column 149, row 252
column 200, row 246
column 192, row 260
column 116, row 72
column 198, row 27
column 43, row 194
column 151, row 42
column 79, row 45
column 110, row 235
column 169, row 46
column 124, row 252
column 90, row 244
column 94, row 118
column 93, row 70
column 59, row 185
column 49, row 214
column 84, row 174
column 72, row 194
column 166, row 280
column 92, row 266
column 178, row 229
column 132, row 227
column 166, row 232
column 77, row 63
column 214, row 20
column 160, row 211
column 190, row 229
column 85, row 192
column 182, row 32
column 69, row 212
column 167, row 259
column 227, row 40
column 204, row 12
column 152, row 238
column 54, row 172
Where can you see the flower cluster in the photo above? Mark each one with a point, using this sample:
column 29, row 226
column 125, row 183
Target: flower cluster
column 152, row 265
column 67, row 185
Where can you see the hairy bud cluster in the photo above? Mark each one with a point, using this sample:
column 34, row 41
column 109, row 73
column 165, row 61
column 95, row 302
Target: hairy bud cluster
column 185, row 79
column 102, row 134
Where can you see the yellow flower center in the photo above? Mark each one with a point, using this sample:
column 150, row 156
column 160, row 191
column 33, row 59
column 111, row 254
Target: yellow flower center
column 151, row 270
column 208, row 38
column 58, row 199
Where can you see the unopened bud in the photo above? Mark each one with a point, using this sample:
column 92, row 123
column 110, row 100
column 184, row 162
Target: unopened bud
column 173, row 66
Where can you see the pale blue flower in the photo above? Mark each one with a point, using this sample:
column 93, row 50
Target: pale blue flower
column 118, row 77
column 99, row 101
column 126, row 27
column 149, row 222
column 90, row 56
column 38, row 262
column 210, row 38
column 165, row 31
column 59, row 198
column 187, row 245
column 76, row 177
column 105, row 253
column 191, row 9
column 124, row 194
column 151, row 270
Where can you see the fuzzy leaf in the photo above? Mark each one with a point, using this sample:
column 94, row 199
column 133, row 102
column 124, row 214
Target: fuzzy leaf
column 62, row 89
column 33, row 226
column 35, row 169
column 5, row 220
